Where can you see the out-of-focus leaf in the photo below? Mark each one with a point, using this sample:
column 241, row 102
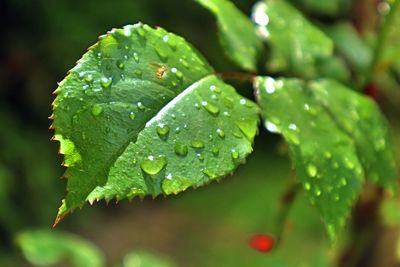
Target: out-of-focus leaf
column 362, row 120
column 350, row 45
column 325, row 8
column 295, row 43
column 391, row 51
column 323, row 155
column 336, row 137
column 237, row 33
column 141, row 106
column 46, row 248
column 334, row 68
column 146, row 259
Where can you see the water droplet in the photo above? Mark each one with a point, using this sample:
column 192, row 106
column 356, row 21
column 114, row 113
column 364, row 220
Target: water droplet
column 97, row 110
column 317, row 192
column 292, row 126
column 348, row 163
column 120, row 64
column 237, row 133
column 177, row 130
column 138, row 73
column 312, row 170
column 181, row 149
column 197, row 144
column 140, row 106
column 89, row 78
column 162, row 130
column 153, row 166
column 215, row 150
column 134, row 161
column 227, row 102
column 212, row 109
column 247, row 127
column 221, row 133
column 136, row 57
column 200, row 156
column 272, row 127
column 328, row 154
column 269, row 85
column 132, row 115
column 184, row 63
column 105, row 82
column 307, row 186
column 234, row 153
column 209, row 173
column 161, row 53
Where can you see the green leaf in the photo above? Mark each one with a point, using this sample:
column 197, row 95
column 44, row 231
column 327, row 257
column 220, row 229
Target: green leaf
column 326, row 8
column 47, row 248
column 336, row 137
column 145, row 259
column 323, row 155
column 237, row 33
column 295, row 43
column 139, row 108
column 349, row 43
column 362, row 120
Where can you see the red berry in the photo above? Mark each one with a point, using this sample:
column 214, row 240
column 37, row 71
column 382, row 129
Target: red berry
column 372, row 91
column 262, row 243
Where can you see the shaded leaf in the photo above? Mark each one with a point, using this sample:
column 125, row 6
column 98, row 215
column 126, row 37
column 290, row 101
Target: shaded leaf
column 47, row 248
column 336, row 137
column 237, row 33
column 327, row 8
column 361, row 119
column 324, row 156
column 295, row 43
column 137, row 110
column 350, row 44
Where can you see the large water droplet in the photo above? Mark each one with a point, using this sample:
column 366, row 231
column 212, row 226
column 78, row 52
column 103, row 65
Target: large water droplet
column 197, row 144
column 105, row 82
column 161, row 53
column 312, row 170
column 221, row 133
column 89, row 78
column 162, row 130
column 307, row 186
column 215, row 150
column 181, row 149
column 234, row 153
column 120, row 64
column 140, row 106
column 97, row 110
column 212, row 109
column 152, row 165
column 272, row 127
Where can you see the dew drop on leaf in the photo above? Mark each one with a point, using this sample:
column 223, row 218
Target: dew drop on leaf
column 105, row 82
column 197, row 144
column 162, row 130
column 214, row 110
column 221, row 133
column 97, row 110
column 311, row 170
column 234, row 153
column 132, row 115
column 152, row 165
column 180, row 149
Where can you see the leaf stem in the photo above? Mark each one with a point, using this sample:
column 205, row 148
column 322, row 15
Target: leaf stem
column 240, row 76
column 381, row 41
column 287, row 201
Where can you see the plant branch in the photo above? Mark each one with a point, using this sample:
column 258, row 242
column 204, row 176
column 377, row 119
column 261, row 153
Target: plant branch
column 287, row 201
column 240, row 76
column 386, row 21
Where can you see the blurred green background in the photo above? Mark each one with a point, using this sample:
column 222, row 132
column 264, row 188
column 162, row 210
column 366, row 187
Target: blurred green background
column 209, row 226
